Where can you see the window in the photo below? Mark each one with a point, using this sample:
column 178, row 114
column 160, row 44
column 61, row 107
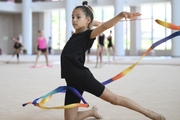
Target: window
column 146, row 26
column 151, row 31
column 58, row 29
column 127, row 31
column 103, row 14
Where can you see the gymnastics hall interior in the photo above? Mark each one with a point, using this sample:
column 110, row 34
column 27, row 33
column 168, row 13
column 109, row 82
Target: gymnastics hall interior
column 153, row 83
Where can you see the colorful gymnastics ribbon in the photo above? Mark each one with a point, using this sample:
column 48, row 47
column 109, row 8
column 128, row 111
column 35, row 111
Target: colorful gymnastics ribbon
column 62, row 89
column 127, row 70
column 168, row 25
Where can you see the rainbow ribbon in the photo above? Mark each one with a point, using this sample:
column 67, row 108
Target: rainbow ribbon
column 62, row 89
column 168, row 25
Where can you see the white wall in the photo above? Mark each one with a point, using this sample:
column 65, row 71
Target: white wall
column 6, row 32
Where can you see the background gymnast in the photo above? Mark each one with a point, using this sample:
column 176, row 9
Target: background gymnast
column 80, row 77
column 100, row 50
column 110, row 46
column 17, row 47
column 41, row 47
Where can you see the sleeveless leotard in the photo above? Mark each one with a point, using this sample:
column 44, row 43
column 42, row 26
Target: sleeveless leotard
column 101, row 40
column 41, row 43
column 110, row 42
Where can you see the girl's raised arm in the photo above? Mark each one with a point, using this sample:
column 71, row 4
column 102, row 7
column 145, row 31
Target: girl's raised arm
column 112, row 22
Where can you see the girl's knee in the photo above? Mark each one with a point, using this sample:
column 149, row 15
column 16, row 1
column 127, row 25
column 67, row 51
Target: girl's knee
column 114, row 100
column 117, row 100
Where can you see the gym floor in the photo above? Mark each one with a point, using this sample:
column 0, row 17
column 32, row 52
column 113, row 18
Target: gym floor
column 154, row 83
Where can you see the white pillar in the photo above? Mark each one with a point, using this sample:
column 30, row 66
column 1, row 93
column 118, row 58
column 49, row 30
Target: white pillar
column 135, row 34
column 176, row 20
column 69, row 8
column 27, row 25
column 119, row 29
column 47, row 25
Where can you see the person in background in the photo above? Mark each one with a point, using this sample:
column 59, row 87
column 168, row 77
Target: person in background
column 100, row 49
column 110, row 45
column 50, row 45
column 17, row 47
column 41, row 47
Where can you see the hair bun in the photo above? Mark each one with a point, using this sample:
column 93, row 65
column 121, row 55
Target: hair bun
column 85, row 3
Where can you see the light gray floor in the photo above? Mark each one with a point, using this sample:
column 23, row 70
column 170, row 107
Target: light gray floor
column 154, row 83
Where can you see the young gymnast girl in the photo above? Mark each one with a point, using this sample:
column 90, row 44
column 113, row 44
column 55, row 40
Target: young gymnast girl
column 17, row 46
column 100, row 49
column 80, row 77
column 41, row 47
column 110, row 45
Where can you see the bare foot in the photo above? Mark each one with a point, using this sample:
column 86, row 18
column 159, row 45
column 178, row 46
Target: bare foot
column 156, row 116
column 162, row 117
column 95, row 113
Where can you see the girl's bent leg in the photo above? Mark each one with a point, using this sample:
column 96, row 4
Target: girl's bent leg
column 70, row 114
column 114, row 99
column 73, row 114
column 46, row 56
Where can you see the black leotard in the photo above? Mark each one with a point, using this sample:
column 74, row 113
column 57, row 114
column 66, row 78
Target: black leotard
column 17, row 45
column 110, row 42
column 73, row 69
column 101, row 40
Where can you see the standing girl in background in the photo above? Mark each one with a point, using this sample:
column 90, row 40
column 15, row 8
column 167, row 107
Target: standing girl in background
column 17, row 47
column 100, row 49
column 80, row 77
column 41, row 47
column 50, row 45
column 110, row 45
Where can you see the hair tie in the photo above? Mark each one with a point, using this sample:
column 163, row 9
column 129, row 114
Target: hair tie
column 86, row 5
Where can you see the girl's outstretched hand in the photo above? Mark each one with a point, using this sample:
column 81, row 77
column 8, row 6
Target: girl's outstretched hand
column 96, row 23
column 130, row 15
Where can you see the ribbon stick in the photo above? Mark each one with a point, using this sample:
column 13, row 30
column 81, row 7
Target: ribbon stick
column 62, row 89
column 135, row 19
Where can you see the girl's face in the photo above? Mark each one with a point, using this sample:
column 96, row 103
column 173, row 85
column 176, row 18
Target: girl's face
column 41, row 33
column 79, row 19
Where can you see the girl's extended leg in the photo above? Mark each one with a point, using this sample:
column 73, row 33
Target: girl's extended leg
column 114, row 52
column 11, row 57
column 73, row 114
column 101, row 54
column 17, row 53
column 109, row 55
column 114, row 99
column 38, row 54
column 97, row 57
column 46, row 56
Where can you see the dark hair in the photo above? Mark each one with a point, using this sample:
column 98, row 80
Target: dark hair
column 39, row 31
column 88, row 11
